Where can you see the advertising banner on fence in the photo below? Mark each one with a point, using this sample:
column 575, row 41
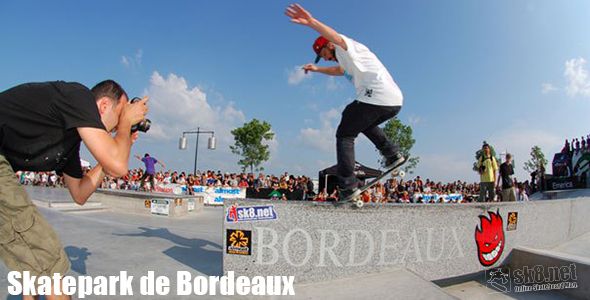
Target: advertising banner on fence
column 171, row 188
column 428, row 198
column 212, row 195
column 215, row 195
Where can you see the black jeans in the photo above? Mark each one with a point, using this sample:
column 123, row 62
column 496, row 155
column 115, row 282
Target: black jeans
column 362, row 117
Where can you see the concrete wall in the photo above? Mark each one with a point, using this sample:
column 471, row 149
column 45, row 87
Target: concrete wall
column 140, row 203
column 321, row 242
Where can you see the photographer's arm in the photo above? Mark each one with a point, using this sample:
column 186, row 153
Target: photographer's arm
column 81, row 188
column 111, row 153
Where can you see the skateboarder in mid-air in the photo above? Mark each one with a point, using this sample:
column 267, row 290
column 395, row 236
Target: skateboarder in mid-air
column 378, row 98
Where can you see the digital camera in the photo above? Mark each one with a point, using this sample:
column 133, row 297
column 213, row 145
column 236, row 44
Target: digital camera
column 482, row 169
column 142, row 126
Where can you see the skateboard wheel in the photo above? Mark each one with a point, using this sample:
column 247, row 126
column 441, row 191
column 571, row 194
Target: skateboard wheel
column 402, row 174
column 359, row 203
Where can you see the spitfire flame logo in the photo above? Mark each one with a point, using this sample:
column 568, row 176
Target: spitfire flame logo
column 489, row 238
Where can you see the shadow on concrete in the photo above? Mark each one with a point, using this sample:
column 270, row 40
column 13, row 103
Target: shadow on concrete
column 190, row 252
column 78, row 257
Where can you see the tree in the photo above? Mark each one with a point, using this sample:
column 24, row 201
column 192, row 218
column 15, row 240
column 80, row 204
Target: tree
column 402, row 135
column 479, row 153
column 537, row 161
column 249, row 144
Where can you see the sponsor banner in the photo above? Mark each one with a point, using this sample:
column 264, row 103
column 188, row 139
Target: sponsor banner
column 211, row 195
column 426, row 198
column 512, row 221
column 238, row 242
column 581, row 162
column 171, row 188
column 160, row 207
column 216, row 195
column 563, row 183
column 237, row 213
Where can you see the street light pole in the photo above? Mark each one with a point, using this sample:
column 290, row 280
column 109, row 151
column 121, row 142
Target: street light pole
column 196, row 151
column 211, row 144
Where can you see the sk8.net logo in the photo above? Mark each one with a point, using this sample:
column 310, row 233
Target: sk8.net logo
column 237, row 213
column 532, row 278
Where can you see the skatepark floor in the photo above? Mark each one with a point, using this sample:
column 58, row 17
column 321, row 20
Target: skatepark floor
column 106, row 242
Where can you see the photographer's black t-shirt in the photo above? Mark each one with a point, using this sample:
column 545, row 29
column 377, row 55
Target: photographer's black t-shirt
column 38, row 124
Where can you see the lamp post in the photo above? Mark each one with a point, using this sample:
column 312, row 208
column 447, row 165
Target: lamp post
column 210, row 145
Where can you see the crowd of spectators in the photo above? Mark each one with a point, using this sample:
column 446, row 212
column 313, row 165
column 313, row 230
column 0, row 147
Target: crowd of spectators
column 47, row 179
column 418, row 191
column 582, row 144
column 131, row 181
column 393, row 190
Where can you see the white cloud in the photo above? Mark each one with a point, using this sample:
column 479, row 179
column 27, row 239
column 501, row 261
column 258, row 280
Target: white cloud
column 547, row 88
column 518, row 140
column 414, row 120
column 132, row 61
column 323, row 138
column 332, row 84
column 578, row 82
column 297, row 75
column 125, row 61
column 273, row 148
column 176, row 107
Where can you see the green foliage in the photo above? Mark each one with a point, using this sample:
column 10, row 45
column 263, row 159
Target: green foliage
column 537, row 161
column 479, row 153
column 249, row 144
column 402, row 135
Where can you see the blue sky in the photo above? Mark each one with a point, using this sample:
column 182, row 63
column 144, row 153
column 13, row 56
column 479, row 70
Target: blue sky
column 514, row 73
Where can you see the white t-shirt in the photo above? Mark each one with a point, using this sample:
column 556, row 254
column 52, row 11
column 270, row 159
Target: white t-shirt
column 372, row 81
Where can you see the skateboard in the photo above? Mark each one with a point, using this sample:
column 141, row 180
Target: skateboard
column 356, row 199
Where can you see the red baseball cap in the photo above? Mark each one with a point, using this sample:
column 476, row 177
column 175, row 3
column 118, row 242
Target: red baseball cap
column 318, row 45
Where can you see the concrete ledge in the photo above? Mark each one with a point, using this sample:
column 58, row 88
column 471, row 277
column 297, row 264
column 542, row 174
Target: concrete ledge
column 116, row 200
column 140, row 203
column 317, row 242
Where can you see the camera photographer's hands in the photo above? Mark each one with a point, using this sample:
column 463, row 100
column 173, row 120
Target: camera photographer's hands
column 134, row 113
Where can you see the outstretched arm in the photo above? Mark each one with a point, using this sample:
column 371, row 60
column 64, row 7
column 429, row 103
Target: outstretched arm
column 301, row 16
column 334, row 70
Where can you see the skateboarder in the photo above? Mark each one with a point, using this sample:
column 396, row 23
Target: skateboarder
column 41, row 128
column 150, row 170
column 378, row 98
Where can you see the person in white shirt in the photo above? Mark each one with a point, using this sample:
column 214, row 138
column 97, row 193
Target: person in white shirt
column 378, row 98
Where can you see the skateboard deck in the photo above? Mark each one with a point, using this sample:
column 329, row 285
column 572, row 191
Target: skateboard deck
column 356, row 200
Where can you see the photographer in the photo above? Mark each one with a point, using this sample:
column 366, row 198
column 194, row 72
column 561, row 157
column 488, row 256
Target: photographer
column 41, row 128
column 488, row 168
